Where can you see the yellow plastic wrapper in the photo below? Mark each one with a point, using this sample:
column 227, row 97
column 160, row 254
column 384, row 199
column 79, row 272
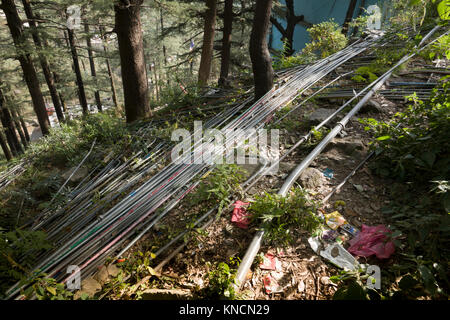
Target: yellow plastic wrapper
column 334, row 220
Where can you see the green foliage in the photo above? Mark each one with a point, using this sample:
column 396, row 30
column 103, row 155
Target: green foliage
column 327, row 38
column 48, row 289
column 364, row 74
column 283, row 61
column 414, row 148
column 66, row 144
column 222, row 280
column 416, row 144
column 218, row 186
column 13, row 245
column 281, row 215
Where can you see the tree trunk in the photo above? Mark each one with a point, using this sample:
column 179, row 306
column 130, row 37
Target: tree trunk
column 259, row 52
column 132, row 61
column 10, row 131
column 19, row 128
column 349, row 16
column 226, row 42
column 43, row 60
column 162, row 30
column 92, row 64
column 76, row 65
column 24, row 128
column 208, row 42
column 4, row 146
column 108, row 67
column 15, row 26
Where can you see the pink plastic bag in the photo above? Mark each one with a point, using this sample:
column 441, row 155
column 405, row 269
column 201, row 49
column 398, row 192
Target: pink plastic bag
column 372, row 240
column 240, row 216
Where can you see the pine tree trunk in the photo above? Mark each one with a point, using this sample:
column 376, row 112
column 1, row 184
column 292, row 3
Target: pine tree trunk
column 208, row 42
column 226, row 42
column 259, row 52
column 19, row 128
column 108, row 67
column 132, row 61
column 92, row 64
column 4, row 145
column 76, row 65
column 43, row 60
column 24, row 128
column 31, row 79
column 10, row 131
column 349, row 16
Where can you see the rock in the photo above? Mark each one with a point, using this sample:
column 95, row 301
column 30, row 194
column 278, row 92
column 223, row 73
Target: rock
column 89, row 286
column 77, row 176
column 372, row 107
column 113, row 271
column 102, row 276
column 167, row 294
column 320, row 114
column 312, row 178
column 348, row 145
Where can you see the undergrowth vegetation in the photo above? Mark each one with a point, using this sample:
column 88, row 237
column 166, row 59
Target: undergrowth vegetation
column 279, row 216
column 414, row 151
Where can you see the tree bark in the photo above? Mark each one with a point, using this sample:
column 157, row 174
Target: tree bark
column 208, row 42
column 24, row 128
column 226, row 42
column 76, row 65
column 31, row 79
column 132, row 61
column 108, row 67
column 259, row 52
column 349, row 16
column 4, row 145
column 92, row 64
column 43, row 60
column 10, row 131
column 19, row 128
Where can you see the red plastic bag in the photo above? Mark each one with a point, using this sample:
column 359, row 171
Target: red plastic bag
column 240, row 215
column 372, row 240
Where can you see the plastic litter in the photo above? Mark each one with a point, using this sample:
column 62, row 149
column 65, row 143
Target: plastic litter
column 270, row 262
column 334, row 220
column 328, row 173
column 335, row 253
column 372, row 240
column 240, row 215
column 271, row 284
column 340, row 257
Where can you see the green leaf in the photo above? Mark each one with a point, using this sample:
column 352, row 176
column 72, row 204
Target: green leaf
column 353, row 292
column 443, row 9
column 383, row 138
column 428, row 279
column 51, row 290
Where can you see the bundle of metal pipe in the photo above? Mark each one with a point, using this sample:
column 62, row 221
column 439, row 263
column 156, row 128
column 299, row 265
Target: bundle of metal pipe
column 374, row 87
column 12, row 173
column 86, row 239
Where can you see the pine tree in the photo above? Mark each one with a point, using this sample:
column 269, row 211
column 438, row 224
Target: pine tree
column 259, row 52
